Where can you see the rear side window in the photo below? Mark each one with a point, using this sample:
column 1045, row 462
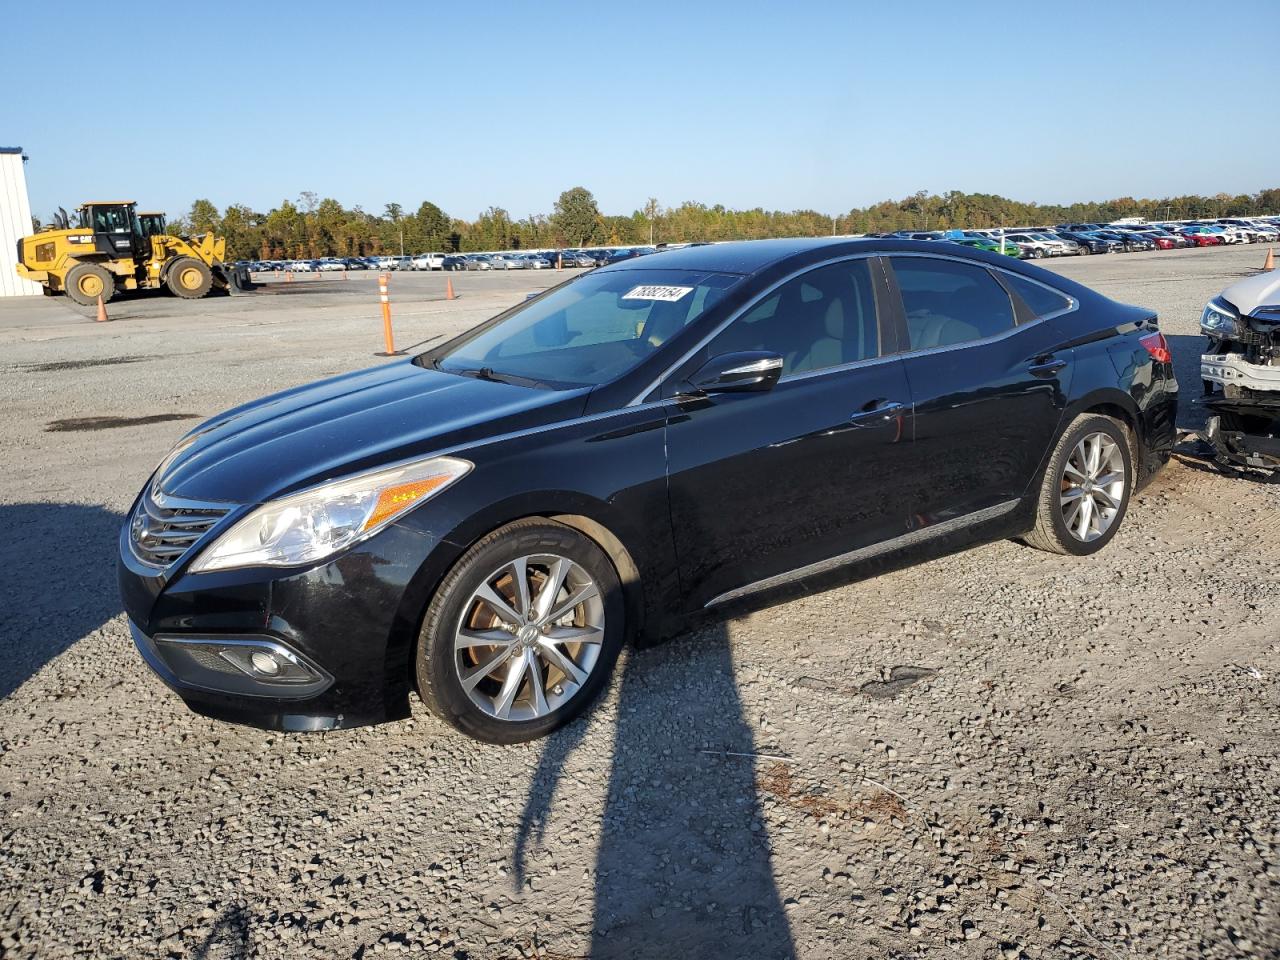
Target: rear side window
column 1042, row 300
column 947, row 302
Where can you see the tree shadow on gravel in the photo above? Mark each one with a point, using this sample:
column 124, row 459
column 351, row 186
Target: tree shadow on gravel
column 59, row 563
column 684, row 867
column 229, row 939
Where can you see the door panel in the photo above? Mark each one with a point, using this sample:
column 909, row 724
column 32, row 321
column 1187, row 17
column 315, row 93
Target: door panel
column 761, row 484
column 987, row 403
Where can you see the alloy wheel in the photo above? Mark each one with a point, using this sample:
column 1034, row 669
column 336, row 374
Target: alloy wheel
column 1092, row 487
column 529, row 637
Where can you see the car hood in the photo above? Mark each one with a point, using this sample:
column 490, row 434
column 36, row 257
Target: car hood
column 1252, row 294
column 357, row 421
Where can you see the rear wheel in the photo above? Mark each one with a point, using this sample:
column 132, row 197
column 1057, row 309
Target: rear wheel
column 522, row 634
column 86, row 282
column 1086, row 488
column 189, row 278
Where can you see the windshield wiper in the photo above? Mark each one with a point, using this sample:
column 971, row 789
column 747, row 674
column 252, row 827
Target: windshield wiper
column 488, row 373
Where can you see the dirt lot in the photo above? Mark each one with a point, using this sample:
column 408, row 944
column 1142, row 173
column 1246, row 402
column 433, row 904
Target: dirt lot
column 1000, row 753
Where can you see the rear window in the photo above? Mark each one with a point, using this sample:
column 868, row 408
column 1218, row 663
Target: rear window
column 1041, row 299
column 948, row 302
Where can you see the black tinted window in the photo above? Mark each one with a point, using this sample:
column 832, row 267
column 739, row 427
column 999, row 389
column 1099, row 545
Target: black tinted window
column 824, row 318
column 949, row 302
column 1041, row 300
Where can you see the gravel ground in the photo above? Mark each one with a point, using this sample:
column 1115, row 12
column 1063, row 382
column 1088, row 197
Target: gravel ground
column 1000, row 753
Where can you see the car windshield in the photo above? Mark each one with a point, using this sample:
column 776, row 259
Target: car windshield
column 586, row 332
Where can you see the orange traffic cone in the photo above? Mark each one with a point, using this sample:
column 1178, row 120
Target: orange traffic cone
column 102, row 311
column 448, row 289
column 1271, row 259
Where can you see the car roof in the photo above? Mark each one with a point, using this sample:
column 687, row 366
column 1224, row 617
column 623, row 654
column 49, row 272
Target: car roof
column 738, row 256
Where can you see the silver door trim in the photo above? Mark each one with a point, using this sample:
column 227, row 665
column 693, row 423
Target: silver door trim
column 919, row 535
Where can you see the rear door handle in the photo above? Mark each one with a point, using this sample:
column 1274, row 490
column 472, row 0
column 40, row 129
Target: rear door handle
column 1046, row 367
column 882, row 412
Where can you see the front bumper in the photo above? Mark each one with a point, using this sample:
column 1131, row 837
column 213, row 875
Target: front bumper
column 217, row 687
column 1233, row 369
column 348, row 625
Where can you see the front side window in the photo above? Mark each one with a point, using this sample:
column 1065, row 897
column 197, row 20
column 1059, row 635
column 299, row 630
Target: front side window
column 948, row 302
column 589, row 331
column 824, row 318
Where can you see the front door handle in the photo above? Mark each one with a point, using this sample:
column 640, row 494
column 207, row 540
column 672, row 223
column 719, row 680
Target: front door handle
column 1046, row 367
column 884, row 411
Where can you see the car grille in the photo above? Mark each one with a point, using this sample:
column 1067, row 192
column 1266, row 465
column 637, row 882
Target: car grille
column 163, row 529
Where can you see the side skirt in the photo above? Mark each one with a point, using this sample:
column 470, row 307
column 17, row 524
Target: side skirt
column 907, row 540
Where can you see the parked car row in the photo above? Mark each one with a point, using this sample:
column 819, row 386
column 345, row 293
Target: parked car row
column 513, row 260
column 542, row 260
column 1024, row 243
column 1074, row 239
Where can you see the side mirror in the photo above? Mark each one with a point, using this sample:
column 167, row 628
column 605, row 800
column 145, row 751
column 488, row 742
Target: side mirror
column 751, row 371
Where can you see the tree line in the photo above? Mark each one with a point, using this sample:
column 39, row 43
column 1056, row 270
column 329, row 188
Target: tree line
column 313, row 226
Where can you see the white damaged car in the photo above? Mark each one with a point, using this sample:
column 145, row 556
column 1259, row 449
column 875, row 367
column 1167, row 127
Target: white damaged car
column 1241, row 372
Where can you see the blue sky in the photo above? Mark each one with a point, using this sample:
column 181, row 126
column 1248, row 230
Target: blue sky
column 783, row 105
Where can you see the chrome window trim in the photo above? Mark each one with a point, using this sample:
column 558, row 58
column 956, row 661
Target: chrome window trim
column 639, row 400
column 1073, row 305
column 839, row 368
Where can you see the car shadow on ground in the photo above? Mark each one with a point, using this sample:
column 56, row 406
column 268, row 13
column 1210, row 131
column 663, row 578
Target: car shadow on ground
column 684, row 867
column 59, row 560
column 1186, row 352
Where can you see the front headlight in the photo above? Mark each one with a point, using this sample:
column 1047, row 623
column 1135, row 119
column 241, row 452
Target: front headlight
column 1218, row 322
column 317, row 523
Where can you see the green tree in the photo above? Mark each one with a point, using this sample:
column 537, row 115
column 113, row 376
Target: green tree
column 431, row 228
column 203, row 217
column 577, row 217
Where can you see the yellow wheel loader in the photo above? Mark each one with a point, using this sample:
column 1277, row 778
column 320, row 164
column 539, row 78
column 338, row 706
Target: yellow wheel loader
column 113, row 247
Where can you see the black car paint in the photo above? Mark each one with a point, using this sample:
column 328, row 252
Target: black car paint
column 690, row 500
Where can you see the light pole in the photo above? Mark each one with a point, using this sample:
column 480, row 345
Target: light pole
column 833, row 226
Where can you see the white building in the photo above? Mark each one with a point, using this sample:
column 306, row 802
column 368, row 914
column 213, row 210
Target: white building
column 15, row 222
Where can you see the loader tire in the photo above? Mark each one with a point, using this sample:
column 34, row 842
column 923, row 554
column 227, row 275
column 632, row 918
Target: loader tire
column 86, row 282
column 189, row 278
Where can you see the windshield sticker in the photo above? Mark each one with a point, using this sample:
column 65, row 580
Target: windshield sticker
column 654, row 292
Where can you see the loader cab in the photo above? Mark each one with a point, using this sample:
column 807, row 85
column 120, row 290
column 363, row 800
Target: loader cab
column 151, row 224
column 115, row 228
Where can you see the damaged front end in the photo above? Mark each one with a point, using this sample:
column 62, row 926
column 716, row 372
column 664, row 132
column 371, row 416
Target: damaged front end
column 1241, row 372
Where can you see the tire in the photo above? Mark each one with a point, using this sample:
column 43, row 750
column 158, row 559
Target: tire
column 1084, row 251
column 189, row 278
column 1088, row 528
column 525, row 693
column 87, row 281
column 1037, row 253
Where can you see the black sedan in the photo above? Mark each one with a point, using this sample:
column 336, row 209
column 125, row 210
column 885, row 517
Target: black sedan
column 489, row 522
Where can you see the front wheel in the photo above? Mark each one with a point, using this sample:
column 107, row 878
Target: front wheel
column 1086, row 488
column 522, row 634
column 86, row 282
column 189, row 278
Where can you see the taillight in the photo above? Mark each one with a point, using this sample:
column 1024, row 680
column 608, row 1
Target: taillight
column 1157, row 346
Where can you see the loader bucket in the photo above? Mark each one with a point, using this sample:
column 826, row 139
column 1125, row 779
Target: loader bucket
column 239, row 282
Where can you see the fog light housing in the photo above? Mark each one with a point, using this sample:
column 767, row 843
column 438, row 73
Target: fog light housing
column 249, row 666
